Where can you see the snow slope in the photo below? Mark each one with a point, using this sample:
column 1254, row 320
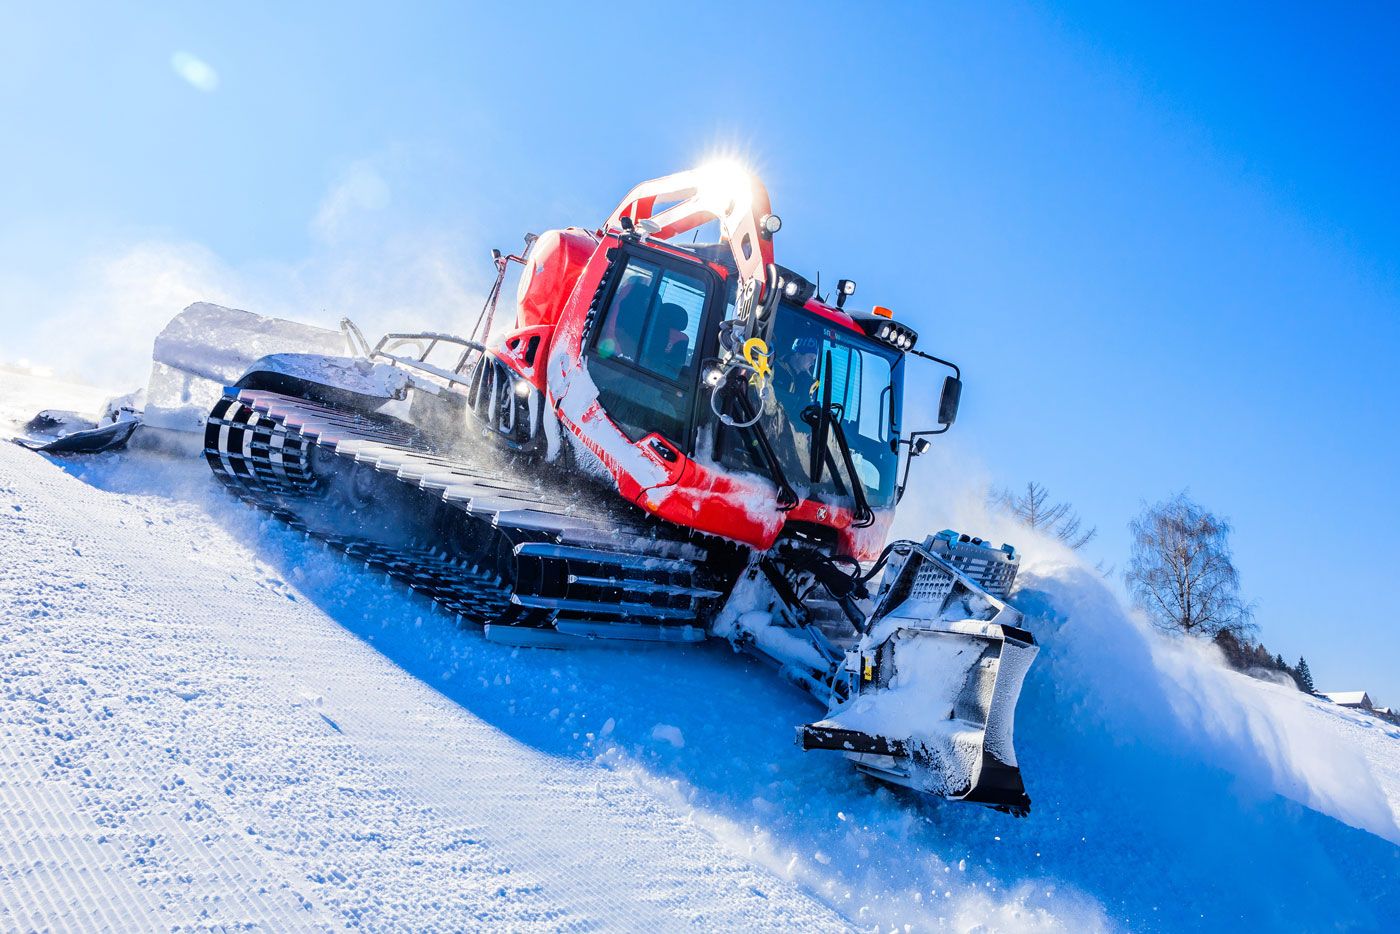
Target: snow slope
column 208, row 721
column 187, row 738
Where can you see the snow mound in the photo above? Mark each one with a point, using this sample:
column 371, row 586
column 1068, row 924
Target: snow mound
column 1176, row 698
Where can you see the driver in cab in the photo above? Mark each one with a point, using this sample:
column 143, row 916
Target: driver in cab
column 795, row 376
column 794, row 389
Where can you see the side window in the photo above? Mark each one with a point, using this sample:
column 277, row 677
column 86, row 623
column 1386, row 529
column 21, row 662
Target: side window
column 846, row 381
column 859, row 383
column 654, row 320
column 645, row 350
column 622, row 328
column 672, row 333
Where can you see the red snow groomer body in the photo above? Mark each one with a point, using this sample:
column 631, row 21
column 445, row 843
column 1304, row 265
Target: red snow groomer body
column 670, row 442
column 635, row 322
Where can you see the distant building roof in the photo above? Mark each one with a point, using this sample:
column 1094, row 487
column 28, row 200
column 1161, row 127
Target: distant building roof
column 1349, row 698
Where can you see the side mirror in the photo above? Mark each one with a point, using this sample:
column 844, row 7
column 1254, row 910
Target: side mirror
column 948, row 401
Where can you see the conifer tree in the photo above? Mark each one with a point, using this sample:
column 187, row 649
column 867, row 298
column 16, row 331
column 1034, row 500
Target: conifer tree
column 1303, row 676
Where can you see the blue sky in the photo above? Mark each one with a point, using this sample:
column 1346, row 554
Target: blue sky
column 1163, row 244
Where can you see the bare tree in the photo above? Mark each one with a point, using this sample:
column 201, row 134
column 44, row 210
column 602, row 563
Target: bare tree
column 1182, row 573
column 1034, row 508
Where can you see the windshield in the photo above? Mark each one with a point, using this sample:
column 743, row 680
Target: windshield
column 866, row 389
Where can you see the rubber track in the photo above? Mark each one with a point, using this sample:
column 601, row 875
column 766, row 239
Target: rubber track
column 264, row 446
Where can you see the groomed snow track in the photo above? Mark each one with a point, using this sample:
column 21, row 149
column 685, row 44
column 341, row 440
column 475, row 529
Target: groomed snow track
column 185, row 742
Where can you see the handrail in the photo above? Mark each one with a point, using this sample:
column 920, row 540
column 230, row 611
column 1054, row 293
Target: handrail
column 354, row 338
column 453, row 376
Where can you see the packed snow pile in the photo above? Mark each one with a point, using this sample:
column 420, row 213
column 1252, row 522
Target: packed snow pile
column 209, row 721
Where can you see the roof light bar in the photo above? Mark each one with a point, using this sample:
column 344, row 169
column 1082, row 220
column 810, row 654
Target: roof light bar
column 794, row 288
column 882, row 329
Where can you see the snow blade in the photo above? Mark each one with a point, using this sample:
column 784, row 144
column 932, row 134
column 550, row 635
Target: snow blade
column 932, row 687
column 67, row 433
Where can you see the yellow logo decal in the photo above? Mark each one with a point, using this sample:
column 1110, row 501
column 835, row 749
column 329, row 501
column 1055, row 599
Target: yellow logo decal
column 756, row 355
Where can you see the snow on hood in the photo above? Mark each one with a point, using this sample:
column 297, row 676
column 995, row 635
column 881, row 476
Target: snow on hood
column 353, row 375
column 207, row 347
column 219, row 343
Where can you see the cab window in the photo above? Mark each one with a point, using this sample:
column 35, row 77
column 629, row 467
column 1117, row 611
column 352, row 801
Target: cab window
column 645, row 347
column 654, row 319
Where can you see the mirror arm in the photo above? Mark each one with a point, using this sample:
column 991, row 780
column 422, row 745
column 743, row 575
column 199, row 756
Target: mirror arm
column 904, row 481
column 957, row 374
column 948, row 363
column 909, row 458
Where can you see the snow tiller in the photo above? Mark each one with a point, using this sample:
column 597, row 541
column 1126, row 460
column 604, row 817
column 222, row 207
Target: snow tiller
column 670, row 441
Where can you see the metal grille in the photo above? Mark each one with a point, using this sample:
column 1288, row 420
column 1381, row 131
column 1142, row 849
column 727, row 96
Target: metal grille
column 931, row 583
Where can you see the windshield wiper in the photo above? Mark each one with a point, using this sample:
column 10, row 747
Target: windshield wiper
column 864, row 515
column 821, row 425
column 787, row 496
column 830, row 417
column 823, row 419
